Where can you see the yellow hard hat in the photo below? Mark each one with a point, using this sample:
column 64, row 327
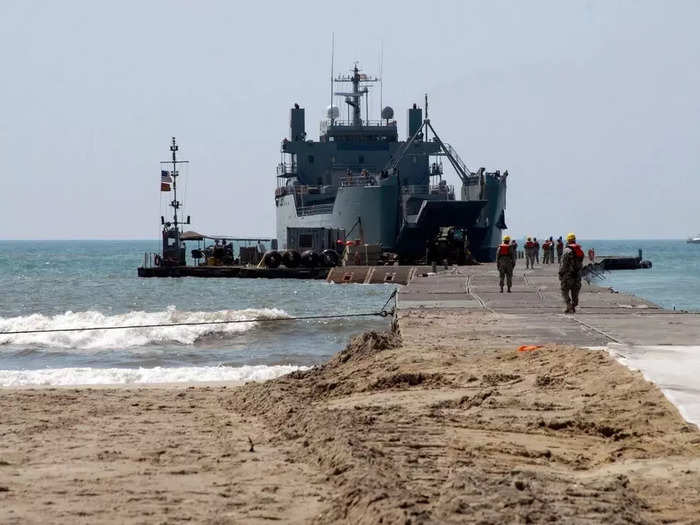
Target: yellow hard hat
column 570, row 237
column 506, row 238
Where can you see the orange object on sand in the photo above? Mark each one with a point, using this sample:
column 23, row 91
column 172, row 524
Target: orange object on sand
column 528, row 348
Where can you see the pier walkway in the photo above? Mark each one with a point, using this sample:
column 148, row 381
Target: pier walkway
column 533, row 312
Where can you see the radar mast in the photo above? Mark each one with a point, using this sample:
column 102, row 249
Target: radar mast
column 360, row 88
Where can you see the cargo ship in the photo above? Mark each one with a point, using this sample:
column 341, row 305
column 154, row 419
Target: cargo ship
column 359, row 180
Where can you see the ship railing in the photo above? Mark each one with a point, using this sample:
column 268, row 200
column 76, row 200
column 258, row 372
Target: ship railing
column 302, row 189
column 316, row 209
column 458, row 159
column 287, row 169
column 355, row 168
column 149, row 259
column 349, row 123
column 415, row 189
column 436, row 169
column 437, row 189
column 358, row 180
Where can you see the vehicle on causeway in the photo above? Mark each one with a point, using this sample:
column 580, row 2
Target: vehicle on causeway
column 360, row 181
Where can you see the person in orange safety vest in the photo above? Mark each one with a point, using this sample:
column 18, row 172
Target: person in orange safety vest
column 545, row 252
column 529, row 253
column 505, row 262
column 570, row 273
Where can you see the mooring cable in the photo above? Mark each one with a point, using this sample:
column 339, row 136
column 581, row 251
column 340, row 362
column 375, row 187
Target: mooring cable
column 381, row 313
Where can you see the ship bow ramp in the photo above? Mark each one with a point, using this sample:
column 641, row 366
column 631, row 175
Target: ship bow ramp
column 432, row 216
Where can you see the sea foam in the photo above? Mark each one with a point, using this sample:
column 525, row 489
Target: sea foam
column 129, row 376
column 125, row 338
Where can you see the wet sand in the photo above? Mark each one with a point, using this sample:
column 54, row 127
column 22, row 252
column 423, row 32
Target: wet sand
column 431, row 428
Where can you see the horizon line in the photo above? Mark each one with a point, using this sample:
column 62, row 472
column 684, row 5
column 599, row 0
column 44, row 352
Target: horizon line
column 67, row 239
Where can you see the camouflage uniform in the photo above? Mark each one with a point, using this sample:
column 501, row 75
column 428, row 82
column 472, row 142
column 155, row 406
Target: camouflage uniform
column 529, row 254
column 545, row 252
column 551, row 251
column 570, row 275
column 560, row 249
column 506, row 265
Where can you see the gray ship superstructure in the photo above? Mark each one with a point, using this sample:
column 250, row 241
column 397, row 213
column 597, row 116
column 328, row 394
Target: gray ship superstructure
column 360, row 181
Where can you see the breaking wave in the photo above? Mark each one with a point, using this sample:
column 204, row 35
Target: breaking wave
column 133, row 336
column 130, row 376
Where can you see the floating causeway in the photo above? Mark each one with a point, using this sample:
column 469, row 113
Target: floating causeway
column 533, row 312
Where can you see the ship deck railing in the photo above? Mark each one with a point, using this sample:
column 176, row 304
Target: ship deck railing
column 303, row 189
column 416, row 189
column 437, row 189
column 316, row 209
column 287, row 169
column 350, row 124
column 149, row 259
column 358, row 180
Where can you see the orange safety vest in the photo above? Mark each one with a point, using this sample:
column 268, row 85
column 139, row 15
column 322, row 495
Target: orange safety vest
column 578, row 252
column 529, row 245
column 504, row 249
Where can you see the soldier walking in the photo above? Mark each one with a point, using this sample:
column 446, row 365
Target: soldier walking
column 529, row 253
column 570, row 273
column 537, row 250
column 545, row 252
column 551, row 250
column 505, row 262
column 560, row 249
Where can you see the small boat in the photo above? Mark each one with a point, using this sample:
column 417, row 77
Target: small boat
column 694, row 240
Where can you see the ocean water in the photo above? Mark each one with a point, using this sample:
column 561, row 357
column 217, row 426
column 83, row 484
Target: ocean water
column 672, row 282
column 62, row 284
column 47, row 284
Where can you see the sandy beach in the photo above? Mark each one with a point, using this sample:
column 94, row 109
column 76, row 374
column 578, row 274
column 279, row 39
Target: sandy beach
column 411, row 427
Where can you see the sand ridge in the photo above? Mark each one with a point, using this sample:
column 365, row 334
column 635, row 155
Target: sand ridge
column 491, row 436
column 417, row 427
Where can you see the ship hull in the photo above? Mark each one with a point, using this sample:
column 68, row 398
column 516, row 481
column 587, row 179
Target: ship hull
column 376, row 207
column 376, row 210
column 485, row 235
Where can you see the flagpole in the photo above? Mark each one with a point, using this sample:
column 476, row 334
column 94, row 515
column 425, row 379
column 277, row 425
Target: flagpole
column 168, row 232
column 175, row 204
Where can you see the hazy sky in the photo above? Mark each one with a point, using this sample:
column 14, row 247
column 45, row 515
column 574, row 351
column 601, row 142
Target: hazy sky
column 592, row 106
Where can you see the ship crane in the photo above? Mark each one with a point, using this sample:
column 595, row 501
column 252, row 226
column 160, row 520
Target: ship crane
column 448, row 151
